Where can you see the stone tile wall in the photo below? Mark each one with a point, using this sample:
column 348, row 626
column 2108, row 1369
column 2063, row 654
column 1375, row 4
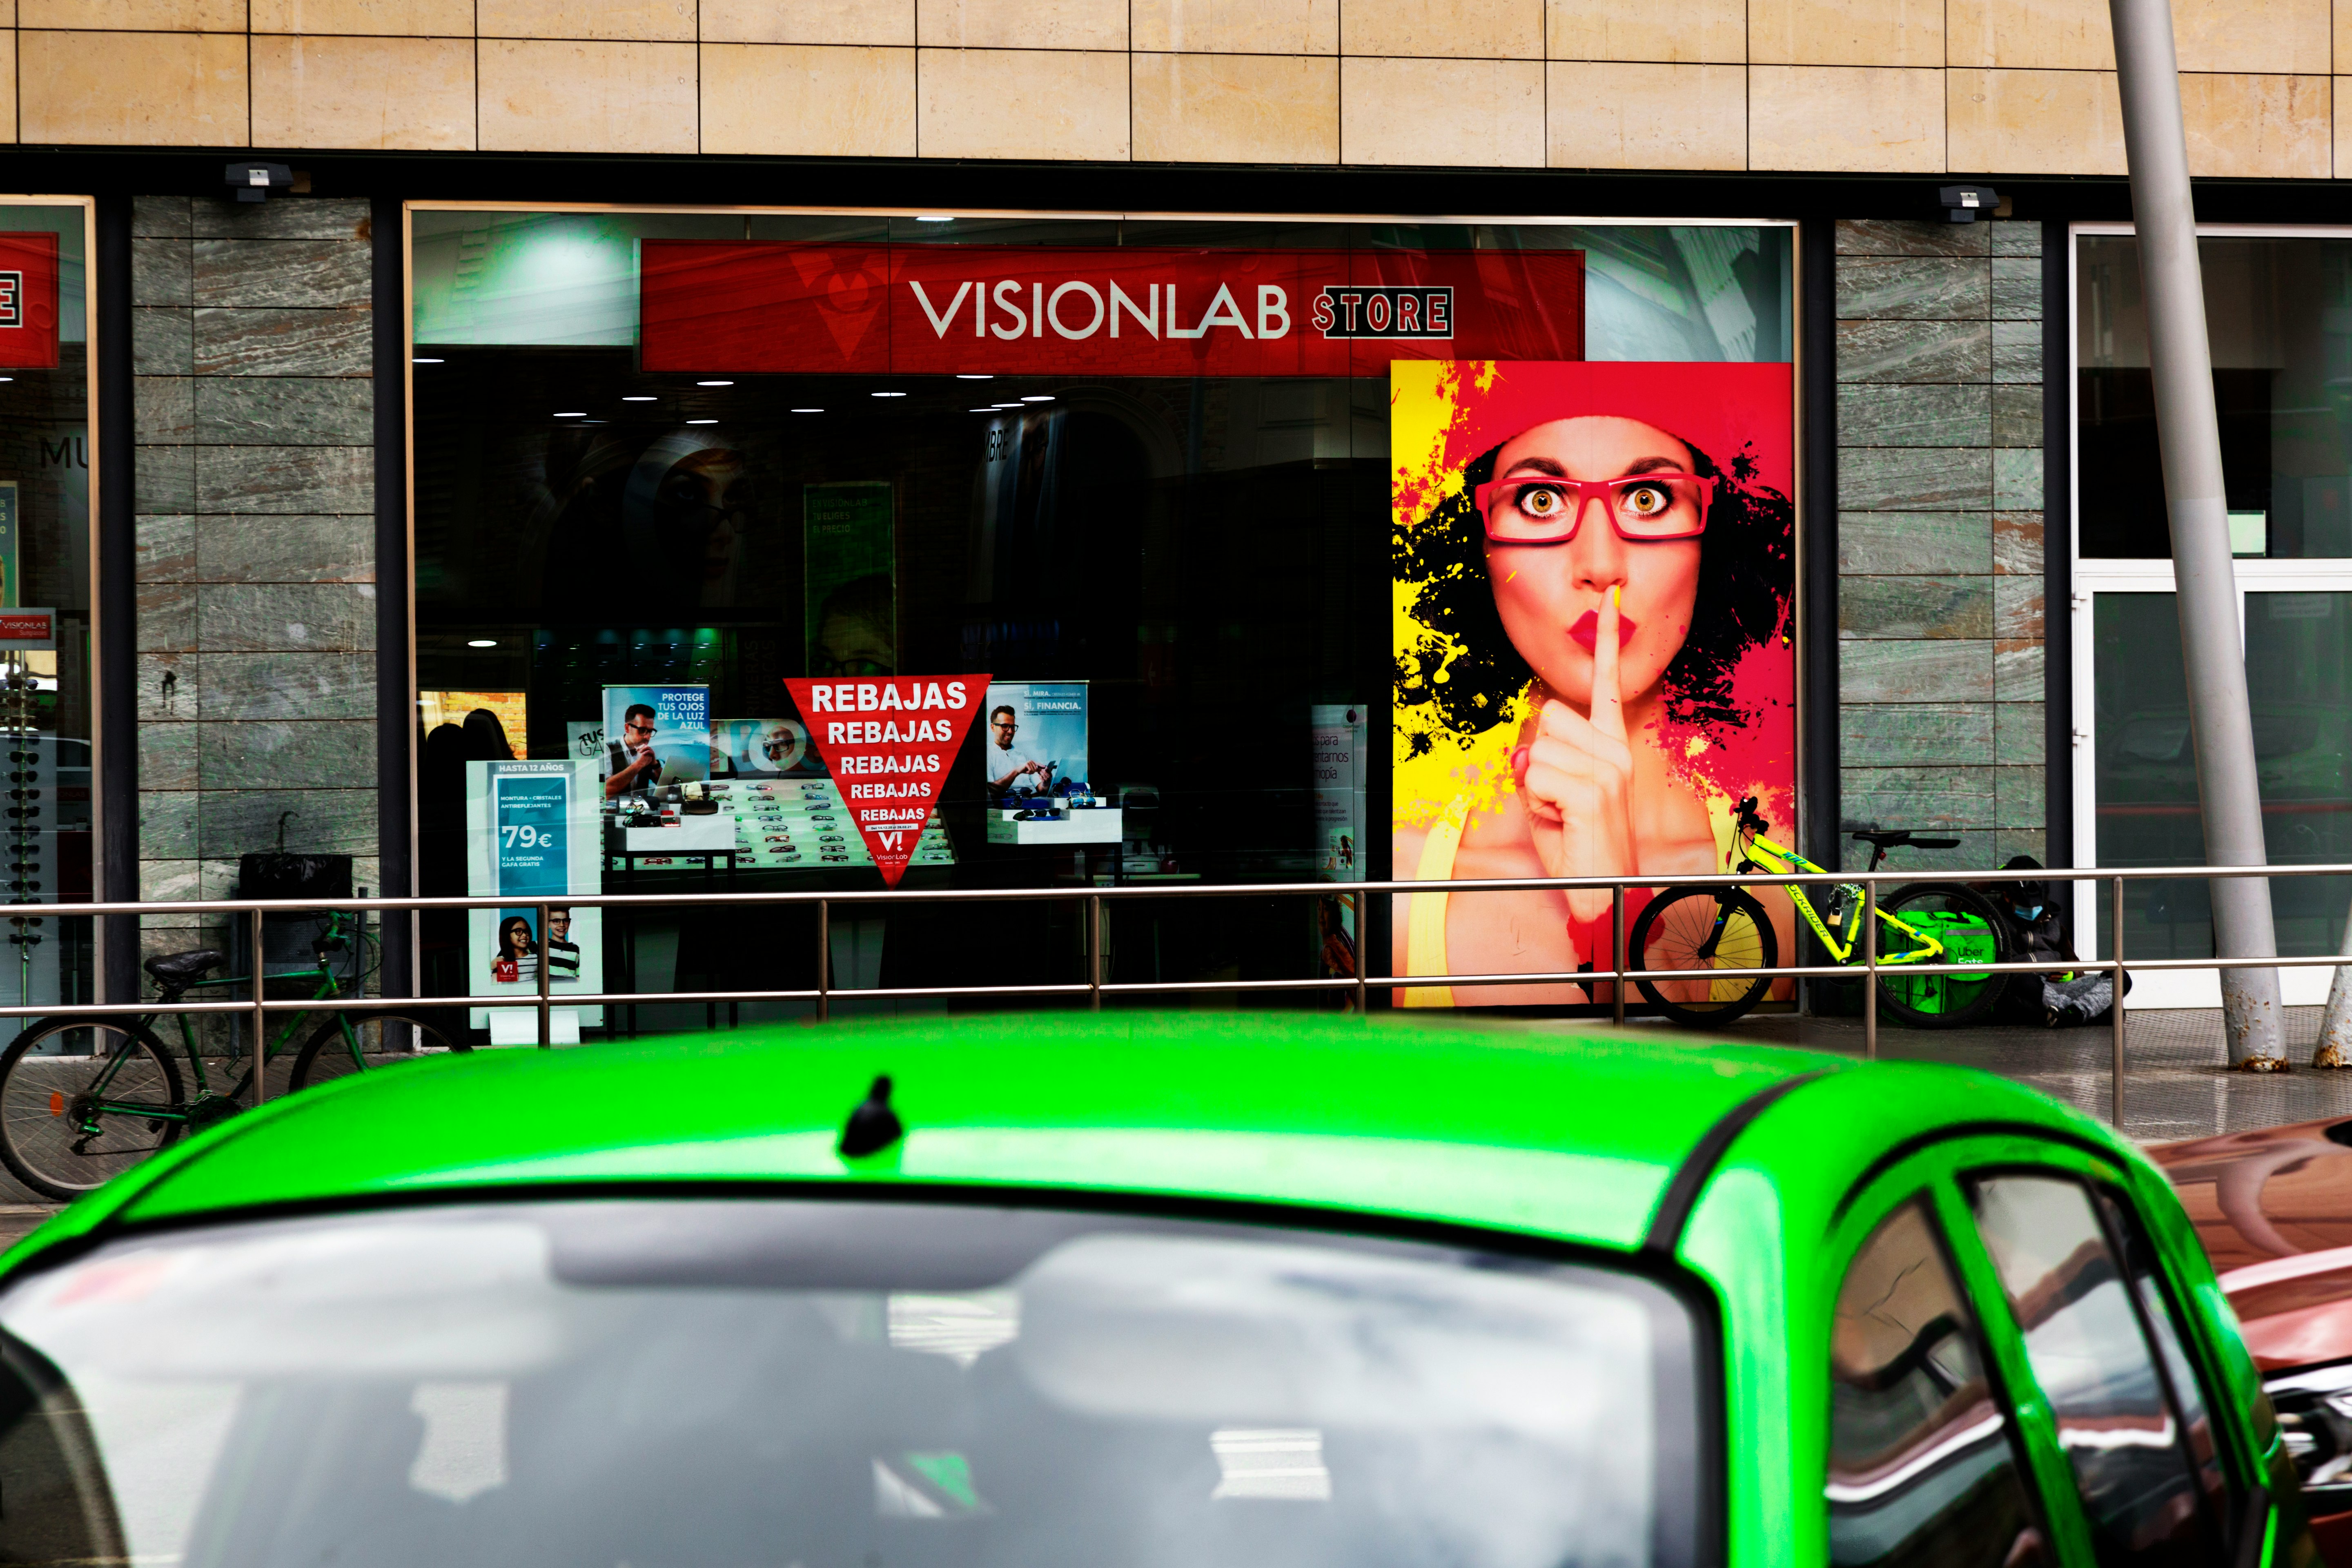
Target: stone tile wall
column 1883, row 85
column 1940, row 614
column 251, row 342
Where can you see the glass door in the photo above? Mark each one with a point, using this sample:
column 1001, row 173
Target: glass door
column 2136, row 778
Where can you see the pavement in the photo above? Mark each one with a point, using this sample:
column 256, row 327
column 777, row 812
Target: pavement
column 2177, row 1082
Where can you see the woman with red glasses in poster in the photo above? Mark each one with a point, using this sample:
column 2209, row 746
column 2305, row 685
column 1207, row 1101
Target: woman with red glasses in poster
column 1596, row 659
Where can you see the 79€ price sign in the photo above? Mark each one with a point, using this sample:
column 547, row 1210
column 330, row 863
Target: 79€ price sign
column 887, row 741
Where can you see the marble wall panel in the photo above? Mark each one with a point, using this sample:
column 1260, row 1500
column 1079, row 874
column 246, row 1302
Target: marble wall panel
column 167, row 756
column 1933, row 670
column 1894, row 236
column 312, row 218
column 2018, row 733
column 164, row 480
column 282, row 342
column 163, row 343
column 1873, row 608
column 1914, row 351
column 1891, row 543
column 162, row 270
column 306, row 754
column 252, row 617
column 1924, row 289
column 284, row 411
column 232, row 822
column 291, row 479
column 288, row 685
column 249, row 549
column 1931, row 415
column 311, row 274
column 1922, row 799
column 1924, row 734
column 1914, row 478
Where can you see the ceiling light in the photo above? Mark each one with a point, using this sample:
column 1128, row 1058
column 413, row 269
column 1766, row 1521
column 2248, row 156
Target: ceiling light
column 1039, row 397
column 427, row 361
column 889, row 395
column 576, row 414
column 483, row 642
column 933, row 217
column 990, row 410
column 642, row 398
column 714, row 384
column 702, row 421
column 962, row 376
column 808, row 410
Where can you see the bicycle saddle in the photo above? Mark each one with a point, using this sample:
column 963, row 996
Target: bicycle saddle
column 1896, row 838
column 185, row 968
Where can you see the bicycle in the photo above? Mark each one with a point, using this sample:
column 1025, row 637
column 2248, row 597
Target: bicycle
column 83, row 1099
column 1702, row 928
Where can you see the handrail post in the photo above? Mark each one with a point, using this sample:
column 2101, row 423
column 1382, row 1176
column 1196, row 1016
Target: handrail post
column 1093, row 953
column 546, row 1011
column 1363, row 991
column 823, row 958
column 1617, row 955
column 2115, row 1007
column 260, row 1019
column 1868, row 936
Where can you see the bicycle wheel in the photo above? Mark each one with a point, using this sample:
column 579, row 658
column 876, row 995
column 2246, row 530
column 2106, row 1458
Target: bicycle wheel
column 1674, row 932
column 1971, row 932
column 52, row 1136
column 384, row 1039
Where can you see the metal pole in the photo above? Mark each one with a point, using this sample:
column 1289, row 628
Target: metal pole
column 2115, row 1008
column 1617, row 954
column 2188, row 434
column 1094, row 951
column 824, row 959
column 260, row 1020
column 1868, row 937
column 1363, row 991
column 546, row 1012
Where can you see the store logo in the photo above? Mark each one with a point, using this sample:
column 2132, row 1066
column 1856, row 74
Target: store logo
column 12, row 299
column 1383, row 311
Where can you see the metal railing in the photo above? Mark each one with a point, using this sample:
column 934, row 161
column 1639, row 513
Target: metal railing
column 1095, row 987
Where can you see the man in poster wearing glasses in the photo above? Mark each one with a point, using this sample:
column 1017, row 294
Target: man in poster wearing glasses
column 1008, row 767
column 634, row 765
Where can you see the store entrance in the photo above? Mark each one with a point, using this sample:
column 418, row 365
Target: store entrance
column 2134, row 765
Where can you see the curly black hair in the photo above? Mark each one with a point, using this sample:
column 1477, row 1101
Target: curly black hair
column 1744, row 584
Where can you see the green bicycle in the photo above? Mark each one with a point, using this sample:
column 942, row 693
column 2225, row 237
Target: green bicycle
column 83, row 1099
column 1700, row 928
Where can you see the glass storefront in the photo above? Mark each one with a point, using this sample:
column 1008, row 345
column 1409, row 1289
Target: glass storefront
column 666, row 462
column 2279, row 311
column 45, row 464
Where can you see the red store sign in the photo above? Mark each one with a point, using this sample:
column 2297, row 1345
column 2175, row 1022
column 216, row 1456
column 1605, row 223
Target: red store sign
column 936, row 309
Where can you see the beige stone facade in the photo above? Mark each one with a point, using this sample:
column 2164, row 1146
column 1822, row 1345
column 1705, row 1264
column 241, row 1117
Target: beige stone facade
column 1973, row 87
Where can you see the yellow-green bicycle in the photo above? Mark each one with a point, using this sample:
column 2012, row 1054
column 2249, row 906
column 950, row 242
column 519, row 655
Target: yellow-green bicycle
column 1699, row 928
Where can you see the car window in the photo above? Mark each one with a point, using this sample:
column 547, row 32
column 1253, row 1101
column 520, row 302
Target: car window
column 1923, row 1463
column 2164, row 1325
column 837, row 1385
column 2090, row 1351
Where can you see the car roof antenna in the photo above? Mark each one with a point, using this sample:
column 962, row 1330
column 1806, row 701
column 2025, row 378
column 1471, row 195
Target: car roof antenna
column 873, row 1126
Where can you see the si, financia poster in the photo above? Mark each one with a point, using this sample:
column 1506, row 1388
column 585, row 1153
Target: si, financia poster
column 1593, row 577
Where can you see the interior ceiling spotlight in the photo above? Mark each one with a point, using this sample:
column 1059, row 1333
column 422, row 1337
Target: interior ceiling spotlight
column 889, row 395
column 482, row 642
column 702, row 421
column 641, row 397
column 427, row 362
column 714, row 384
column 962, row 375
column 1039, row 397
column 1965, row 203
column 575, row 414
column 808, row 410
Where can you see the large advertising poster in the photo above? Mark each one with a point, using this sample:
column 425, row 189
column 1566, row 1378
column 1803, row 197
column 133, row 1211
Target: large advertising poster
column 532, row 832
column 1035, row 737
column 1593, row 578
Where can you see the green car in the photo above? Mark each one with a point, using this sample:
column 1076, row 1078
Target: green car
column 1136, row 1291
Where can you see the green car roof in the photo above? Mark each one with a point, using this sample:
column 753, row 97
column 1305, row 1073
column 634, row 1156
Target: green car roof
column 1572, row 1136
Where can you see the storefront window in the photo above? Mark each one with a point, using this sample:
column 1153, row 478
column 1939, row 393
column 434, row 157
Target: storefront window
column 2279, row 314
column 1121, row 471
column 45, row 667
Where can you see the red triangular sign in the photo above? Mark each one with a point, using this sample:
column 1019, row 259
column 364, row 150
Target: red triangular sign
column 887, row 741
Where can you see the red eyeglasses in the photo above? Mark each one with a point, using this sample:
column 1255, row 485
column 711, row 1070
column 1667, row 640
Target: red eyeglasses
column 1644, row 509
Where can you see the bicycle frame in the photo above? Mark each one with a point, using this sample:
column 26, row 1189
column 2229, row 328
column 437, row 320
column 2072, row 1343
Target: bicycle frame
column 328, row 989
column 1757, row 853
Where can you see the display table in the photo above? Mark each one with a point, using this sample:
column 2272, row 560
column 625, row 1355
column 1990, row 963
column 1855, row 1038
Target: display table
column 1096, row 824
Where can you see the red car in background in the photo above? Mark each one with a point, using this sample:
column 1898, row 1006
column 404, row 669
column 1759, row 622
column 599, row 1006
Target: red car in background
column 2274, row 1211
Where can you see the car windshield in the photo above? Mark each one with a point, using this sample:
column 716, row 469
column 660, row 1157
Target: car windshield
column 832, row 1384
